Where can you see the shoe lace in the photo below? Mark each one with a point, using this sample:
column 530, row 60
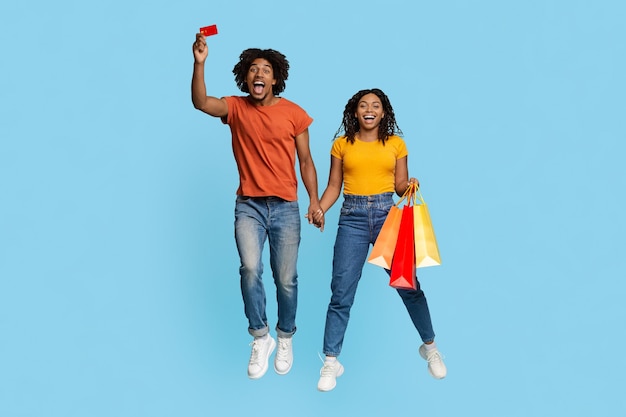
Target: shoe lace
column 435, row 357
column 328, row 370
column 256, row 350
column 283, row 348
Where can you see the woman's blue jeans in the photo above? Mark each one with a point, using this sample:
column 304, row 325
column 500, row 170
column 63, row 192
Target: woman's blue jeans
column 360, row 221
column 258, row 219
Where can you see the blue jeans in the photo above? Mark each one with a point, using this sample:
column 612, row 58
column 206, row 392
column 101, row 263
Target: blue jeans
column 258, row 219
column 360, row 221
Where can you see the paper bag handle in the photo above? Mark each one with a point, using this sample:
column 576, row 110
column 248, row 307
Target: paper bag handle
column 408, row 195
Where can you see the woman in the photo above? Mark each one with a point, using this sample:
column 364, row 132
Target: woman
column 370, row 162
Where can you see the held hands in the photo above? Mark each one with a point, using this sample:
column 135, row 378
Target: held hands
column 200, row 48
column 316, row 218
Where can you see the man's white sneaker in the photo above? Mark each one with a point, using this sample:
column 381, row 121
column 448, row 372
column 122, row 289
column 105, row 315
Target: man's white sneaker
column 436, row 367
column 329, row 374
column 284, row 356
column 262, row 348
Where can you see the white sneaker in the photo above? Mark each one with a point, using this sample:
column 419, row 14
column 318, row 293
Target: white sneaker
column 262, row 348
column 436, row 367
column 329, row 374
column 284, row 356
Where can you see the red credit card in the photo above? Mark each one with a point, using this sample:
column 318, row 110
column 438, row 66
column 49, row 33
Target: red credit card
column 209, row 30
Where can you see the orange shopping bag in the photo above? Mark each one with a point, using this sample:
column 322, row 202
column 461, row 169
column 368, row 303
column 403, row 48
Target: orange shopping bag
column 403, row 264
column 426, row 248
column 382, row 252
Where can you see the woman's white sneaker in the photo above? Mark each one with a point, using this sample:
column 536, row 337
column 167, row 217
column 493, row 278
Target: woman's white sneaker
column 436, row 367
column 329, row 374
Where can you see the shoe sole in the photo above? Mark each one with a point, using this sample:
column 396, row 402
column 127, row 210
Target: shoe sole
column 264, row 370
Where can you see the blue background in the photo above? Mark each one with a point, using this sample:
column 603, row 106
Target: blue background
column 119, row 291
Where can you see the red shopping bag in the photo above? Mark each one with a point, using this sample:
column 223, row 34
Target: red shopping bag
column 403, row 264
column 385, row 245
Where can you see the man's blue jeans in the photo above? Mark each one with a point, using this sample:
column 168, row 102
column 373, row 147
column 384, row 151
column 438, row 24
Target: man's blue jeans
column 258, row 219
column 360, row 221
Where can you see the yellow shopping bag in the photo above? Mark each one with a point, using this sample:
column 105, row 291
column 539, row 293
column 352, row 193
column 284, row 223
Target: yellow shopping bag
column 426, row 248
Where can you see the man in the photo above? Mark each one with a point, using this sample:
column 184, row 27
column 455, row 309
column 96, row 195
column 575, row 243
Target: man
column 267, row 133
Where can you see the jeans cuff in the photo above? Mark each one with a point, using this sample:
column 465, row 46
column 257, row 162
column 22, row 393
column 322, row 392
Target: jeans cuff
column 283, row 334
column 259, row 332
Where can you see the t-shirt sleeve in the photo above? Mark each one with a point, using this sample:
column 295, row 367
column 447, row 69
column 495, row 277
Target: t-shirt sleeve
column 303, row 120
column 402, row 150
column 231, row 101
column 337, row 149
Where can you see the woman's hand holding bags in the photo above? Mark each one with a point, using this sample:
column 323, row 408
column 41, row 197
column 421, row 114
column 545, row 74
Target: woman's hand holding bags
column 406, row 241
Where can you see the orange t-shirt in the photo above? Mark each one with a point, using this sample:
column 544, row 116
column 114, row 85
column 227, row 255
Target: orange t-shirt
column 264, row 146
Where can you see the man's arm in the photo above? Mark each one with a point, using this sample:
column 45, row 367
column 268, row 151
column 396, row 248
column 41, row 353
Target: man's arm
column 308, row 173
column 211, row 105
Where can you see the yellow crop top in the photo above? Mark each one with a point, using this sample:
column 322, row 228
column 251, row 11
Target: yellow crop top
column 369, row 167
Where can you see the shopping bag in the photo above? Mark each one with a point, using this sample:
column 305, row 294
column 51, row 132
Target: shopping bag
column 426, row 248
column 403, row 263
column 382, row 252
